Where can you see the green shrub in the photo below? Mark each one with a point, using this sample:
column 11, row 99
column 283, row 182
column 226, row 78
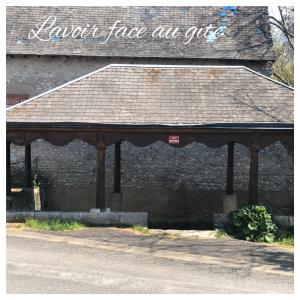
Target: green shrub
column 252, row 223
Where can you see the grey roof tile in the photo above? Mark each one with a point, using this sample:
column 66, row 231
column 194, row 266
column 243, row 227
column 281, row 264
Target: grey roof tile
column 145, row 94
column 247, row 35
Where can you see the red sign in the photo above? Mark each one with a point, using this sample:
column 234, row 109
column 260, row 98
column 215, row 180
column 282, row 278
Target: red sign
column 174, row 139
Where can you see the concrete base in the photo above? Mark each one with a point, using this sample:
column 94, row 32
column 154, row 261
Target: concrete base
column 116, row 201
column 95, row 210
column 89, row 218
column 229, row 203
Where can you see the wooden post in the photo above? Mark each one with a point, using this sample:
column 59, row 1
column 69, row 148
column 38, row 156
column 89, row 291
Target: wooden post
column 253, row 181
column 100, row 182
column 8, row 171
column 230, row 168
column 117, row 168
column 28, row 177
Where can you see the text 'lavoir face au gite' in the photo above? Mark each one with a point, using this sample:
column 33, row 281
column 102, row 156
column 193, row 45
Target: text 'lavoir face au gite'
column 50, row 30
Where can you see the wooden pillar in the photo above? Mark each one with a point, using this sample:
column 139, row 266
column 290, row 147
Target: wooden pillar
column 253, row 180
column 28, row 177
column 8, row 170
column 117, row 168
column 230, row 168
column 100, row 182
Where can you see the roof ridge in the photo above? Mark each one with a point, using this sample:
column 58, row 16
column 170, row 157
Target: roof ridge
column 268, row 78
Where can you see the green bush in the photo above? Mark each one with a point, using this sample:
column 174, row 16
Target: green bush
column 252, row 223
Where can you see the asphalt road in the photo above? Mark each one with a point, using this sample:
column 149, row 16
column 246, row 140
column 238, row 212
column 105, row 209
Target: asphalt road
column 114, row 261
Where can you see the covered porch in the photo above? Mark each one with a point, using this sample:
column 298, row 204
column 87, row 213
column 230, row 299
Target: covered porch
column 100, row 110
column 255, row 139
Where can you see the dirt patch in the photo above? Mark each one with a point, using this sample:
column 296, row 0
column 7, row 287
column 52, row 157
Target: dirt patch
column 172, row 233
column 289, row 248
column 15, row 225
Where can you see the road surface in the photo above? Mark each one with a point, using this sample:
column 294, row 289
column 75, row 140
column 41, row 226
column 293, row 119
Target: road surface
column 103, row 260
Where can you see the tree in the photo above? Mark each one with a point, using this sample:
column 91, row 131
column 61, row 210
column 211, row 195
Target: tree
column 285, row 23
column 283, row 37
column 283, row 68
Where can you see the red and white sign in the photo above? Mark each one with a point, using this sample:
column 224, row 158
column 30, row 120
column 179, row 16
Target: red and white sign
column 174, row 139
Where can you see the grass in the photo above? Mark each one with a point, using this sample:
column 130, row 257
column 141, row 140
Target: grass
column 53, row 224
column 141, row 229
column 285, row 238
column 220, row 234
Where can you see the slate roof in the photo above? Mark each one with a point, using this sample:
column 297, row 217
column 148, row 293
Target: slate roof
column 247, row 36
column 163, row 95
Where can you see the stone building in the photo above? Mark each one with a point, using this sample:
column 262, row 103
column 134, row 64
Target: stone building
column 177, row 186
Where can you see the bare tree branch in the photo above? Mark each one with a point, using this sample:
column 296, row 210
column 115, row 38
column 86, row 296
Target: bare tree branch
column 283, row 67
column 283, row 26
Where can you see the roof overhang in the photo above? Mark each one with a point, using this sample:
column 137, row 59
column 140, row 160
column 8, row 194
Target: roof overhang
column 161, row 95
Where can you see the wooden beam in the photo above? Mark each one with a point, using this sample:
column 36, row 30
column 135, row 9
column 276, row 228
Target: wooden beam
column 253, row 180
column 100, row 182
column 211, row 137
column 230, row 169
column 28, row 176
column 8, row 169
column 117, row 168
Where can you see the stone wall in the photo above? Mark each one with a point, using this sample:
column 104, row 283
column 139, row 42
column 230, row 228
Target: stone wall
column 175, row 185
